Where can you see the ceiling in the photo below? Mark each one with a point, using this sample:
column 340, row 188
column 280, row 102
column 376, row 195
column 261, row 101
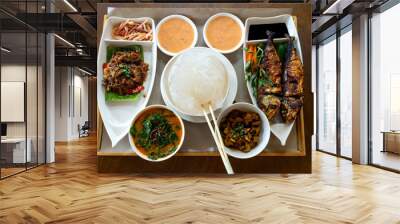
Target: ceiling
column 19, row 53
column 77, row 23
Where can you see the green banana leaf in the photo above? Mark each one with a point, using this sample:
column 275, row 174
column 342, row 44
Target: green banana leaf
column 115, row 97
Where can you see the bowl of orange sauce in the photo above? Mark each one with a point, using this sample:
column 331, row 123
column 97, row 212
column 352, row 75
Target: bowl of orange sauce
column 176, row 33
column 224, row 32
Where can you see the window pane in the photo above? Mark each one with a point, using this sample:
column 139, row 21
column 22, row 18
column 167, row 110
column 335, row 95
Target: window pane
column 385, row 84
column 22, row 88
column 15, row 150
column 345, row 93
column 327, row 97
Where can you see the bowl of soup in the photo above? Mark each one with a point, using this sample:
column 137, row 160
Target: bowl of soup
column 176, row 33
column 156, row 133
column 224, row 32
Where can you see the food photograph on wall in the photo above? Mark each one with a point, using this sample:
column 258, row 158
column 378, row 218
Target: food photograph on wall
column 203, row 88
column 199, row 111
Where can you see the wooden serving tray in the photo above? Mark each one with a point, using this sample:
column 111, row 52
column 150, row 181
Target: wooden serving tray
column 199, row 153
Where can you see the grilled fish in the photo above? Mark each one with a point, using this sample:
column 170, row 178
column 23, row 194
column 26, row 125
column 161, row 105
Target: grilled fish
column 270, row 105
column 293, row 77
column 290, row 107
column 273, row 67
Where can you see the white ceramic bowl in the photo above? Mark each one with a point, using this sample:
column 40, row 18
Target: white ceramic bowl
column 237, row 20
column 233, row 86
column 186, row 19
column 264, row 135
column 230, row 71
column 143, row 156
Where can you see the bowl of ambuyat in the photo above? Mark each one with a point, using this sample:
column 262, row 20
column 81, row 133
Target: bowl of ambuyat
column 196, row 77
column 224, row 32
column 244, row 129
column 176, row 33
column 157, row 133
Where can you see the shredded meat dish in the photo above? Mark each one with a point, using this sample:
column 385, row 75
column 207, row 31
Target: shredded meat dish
column 131, row 30
column 125, row 73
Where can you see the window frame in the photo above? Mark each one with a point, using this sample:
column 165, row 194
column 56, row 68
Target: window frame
column 27, row 29
column 336, row 36
column 381, row 9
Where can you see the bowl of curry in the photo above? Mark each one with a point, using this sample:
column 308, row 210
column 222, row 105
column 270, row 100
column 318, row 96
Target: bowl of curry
column 156, row 133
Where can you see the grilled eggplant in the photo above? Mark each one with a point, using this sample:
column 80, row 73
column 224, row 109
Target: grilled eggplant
column 273, row 67
column 290, row 107
column 270, row 105
column 293, row 77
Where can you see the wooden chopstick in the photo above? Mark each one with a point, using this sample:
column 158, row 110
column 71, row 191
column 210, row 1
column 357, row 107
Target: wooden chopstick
column 218, row 133
column 225, row 159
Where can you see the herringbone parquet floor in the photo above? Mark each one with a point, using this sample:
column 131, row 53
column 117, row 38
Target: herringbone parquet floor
column 71, row 191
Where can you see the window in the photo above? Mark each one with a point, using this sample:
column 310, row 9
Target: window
column 22, row 76
column 334, row 131
column 385, row 89
column 346, row 93
column 394, row 111
column 326, row 94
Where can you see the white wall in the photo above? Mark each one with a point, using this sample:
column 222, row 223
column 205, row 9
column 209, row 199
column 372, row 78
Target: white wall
column 34, row 125
column 71, row 102
column 81, row 108
column 61, row 103
column 12, row 73
column 16, row 72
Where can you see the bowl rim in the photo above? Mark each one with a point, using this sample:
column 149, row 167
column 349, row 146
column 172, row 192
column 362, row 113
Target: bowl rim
column 237, row 20
column 262, row 144
column 132, row 142
column 220, row 107
column 186, row 19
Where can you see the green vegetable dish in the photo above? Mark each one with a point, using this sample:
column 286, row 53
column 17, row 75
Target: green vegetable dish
column 124, row 73
column 157, row 133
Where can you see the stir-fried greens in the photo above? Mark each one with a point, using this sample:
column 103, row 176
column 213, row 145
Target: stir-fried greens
column 157, row 134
